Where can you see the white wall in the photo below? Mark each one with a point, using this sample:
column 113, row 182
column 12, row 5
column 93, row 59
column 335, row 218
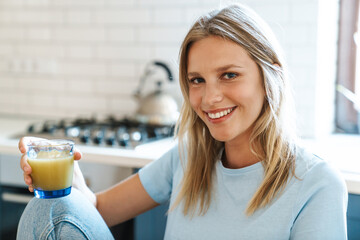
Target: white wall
column 84, row 57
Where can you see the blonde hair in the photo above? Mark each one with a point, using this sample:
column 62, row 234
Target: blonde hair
column 271, row 139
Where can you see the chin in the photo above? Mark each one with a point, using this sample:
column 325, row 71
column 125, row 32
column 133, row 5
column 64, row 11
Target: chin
column 221, row 137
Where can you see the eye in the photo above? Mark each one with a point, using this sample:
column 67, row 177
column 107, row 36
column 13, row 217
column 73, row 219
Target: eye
column 229, row 75
column 196, row 80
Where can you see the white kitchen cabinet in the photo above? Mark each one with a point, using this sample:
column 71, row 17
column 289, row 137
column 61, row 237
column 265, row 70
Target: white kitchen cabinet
column 10, row 171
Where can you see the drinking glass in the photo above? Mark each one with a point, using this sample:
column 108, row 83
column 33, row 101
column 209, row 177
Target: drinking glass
column 52, row 164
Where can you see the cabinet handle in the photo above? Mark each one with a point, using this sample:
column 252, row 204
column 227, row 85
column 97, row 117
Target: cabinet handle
column 16, row 198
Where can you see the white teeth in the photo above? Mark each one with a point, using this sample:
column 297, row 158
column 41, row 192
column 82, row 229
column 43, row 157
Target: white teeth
column 219, row 114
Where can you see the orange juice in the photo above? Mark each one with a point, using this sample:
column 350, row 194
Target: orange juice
column 52, row 164
column 52, row 174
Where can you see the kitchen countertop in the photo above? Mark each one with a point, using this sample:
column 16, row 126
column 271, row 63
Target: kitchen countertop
column 132, row 158
column 341, row 150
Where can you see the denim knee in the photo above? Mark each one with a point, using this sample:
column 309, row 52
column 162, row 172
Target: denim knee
column 70, row 217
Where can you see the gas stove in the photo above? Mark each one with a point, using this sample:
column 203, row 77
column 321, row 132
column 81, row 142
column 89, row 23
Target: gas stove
column 111, row 132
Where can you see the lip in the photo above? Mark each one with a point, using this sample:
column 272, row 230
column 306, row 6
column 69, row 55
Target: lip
column 221, row 119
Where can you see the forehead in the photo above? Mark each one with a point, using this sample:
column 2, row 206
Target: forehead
column 215, row 51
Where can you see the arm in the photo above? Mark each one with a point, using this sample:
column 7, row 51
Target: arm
column 141, row 192
column 117, row 204
column 124, row 201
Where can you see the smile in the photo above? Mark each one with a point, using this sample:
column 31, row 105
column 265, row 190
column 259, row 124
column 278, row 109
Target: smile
column 220, row 114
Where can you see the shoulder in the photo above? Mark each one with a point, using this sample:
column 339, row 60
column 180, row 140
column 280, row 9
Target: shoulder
column 169, row 159
column 320, row 204
column 316, row 173
column 157, row 177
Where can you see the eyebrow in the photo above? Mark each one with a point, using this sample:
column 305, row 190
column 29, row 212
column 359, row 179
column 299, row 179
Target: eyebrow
column 226, row 67
column 219, row 69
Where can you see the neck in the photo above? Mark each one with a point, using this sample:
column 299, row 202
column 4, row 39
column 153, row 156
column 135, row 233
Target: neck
column 238, row 154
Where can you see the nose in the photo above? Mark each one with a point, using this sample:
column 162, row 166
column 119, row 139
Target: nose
column 213, row 94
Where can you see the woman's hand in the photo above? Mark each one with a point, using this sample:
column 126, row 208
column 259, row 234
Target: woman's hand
column 27, row 169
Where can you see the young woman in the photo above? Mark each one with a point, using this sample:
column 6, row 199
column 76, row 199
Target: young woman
column 237, row 172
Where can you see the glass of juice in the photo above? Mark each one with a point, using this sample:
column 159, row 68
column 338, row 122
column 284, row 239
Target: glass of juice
column 52, row 164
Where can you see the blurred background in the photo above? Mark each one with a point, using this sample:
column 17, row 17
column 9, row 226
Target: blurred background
column 74, row 67
column 70, row 58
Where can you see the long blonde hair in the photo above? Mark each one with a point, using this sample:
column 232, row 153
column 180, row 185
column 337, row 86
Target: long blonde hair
column 270, row 140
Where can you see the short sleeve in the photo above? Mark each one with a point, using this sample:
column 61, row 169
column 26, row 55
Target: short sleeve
column 157, row 177
column 322, row 204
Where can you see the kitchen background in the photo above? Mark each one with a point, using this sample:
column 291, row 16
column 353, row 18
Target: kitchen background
column 83, row 58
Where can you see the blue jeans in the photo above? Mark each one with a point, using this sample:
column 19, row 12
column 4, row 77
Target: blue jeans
column 70, row 217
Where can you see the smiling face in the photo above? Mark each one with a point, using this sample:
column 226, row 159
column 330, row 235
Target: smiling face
column 225, row 88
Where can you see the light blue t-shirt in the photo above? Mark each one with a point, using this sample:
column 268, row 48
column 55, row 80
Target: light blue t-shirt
column 312, row 206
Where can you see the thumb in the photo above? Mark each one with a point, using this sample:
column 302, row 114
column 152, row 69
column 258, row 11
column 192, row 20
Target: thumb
column 77, row 154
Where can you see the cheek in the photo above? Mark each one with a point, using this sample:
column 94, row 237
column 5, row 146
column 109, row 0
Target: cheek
column 240, row 94
column 194, row 98
column 250, row 98
column 258, row 99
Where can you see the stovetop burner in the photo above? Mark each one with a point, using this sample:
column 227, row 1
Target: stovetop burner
column 112, row 132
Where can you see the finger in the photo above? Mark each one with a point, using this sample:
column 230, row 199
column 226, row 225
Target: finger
column 22, row 144
column 27, row 179
column 26, row 140
column 77, row 154
column 25, row 166
column 31, row 188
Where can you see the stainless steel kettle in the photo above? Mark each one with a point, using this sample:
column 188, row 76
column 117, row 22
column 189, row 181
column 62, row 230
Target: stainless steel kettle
column 158, row 107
